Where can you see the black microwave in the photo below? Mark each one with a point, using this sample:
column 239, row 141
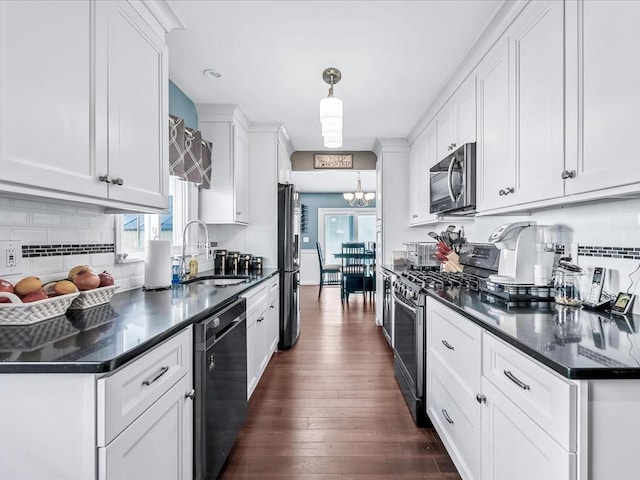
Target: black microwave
column 452, row 182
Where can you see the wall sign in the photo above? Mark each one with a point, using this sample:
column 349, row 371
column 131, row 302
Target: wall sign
column 324, row 160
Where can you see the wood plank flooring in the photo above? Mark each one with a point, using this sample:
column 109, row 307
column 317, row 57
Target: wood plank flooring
column 330, row 408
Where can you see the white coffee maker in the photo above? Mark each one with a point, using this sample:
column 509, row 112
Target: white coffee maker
column 518, row 253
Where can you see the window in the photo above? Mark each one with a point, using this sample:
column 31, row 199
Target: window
column 134, row 229
column 338, row 225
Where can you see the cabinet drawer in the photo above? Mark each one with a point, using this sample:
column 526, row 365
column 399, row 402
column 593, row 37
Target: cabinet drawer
column 458, row 427
column 457, row 342
column 548, row 399
column 256, row 297
column 127, row 393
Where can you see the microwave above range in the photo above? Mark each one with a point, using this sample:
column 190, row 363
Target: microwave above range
column 452, row 182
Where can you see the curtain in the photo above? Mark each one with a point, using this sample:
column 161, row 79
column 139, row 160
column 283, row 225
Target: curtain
column 189, row 155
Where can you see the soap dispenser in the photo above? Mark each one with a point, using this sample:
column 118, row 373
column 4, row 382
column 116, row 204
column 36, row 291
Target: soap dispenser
column 193, row 266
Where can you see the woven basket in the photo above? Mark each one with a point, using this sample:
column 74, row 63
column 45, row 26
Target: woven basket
column 28, row 313
column 91, row 298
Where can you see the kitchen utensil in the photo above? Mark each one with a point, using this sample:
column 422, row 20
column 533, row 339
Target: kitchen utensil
column 450, row 228
column 443, row 248
column 441, row 257
column 434, row 235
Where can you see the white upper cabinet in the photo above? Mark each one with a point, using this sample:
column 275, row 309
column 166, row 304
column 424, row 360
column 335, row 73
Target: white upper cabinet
column 494, row 148
column 537, row 39
column 45, row 93
column 457, row 120
column 93, row 129
column 131, row 105
column 418, row 181
column 227, row 201
column 520, row 148
column 603, row 98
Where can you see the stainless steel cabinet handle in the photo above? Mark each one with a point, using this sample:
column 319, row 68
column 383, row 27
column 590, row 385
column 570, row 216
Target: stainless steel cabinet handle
column 568, row 174
column 117, row 181
column 414, row 216
column 105, row 178
column 272, row 306
column 190, row 394
column 506, row 191
column 446, row 416
column 447, row 344
column 517, row 381
column 212, row 361
column 163, row 370
column 238, row 213
column 260, row 319
column 481, row 398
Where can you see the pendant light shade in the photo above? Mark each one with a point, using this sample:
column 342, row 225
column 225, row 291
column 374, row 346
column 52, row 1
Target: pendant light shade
column 331, row 111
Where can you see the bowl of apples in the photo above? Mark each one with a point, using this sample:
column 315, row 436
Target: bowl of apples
column 95, row 288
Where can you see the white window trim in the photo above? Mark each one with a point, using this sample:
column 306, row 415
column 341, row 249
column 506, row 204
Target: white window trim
column 185, row 196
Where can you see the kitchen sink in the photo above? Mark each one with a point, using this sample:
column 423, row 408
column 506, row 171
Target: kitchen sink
column 218, row 280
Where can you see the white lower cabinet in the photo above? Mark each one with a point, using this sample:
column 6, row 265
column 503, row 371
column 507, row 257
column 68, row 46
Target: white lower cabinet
column 262, row 329
column 500, row 414
column 453, row 383
column 156, row 445
column 514, row 447
column 145, row 415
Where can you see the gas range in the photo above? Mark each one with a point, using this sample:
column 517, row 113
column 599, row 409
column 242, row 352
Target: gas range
column 420, row 280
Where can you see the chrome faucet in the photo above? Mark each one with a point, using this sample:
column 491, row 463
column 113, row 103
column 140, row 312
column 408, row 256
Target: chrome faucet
column 183, row 263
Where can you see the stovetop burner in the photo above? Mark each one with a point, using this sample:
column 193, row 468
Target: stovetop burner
column 424, row 279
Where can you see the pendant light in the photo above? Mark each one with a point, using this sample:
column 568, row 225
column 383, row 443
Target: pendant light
column 331, row 111
column 359, row 198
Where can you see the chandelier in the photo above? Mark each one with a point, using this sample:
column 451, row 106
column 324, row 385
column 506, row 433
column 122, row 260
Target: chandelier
column 359, row 198
column 331, row 111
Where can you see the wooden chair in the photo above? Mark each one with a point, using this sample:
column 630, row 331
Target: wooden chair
column 329, row 274
column 354, row 270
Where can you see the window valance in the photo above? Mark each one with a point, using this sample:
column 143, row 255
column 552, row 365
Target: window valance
column 189, row 154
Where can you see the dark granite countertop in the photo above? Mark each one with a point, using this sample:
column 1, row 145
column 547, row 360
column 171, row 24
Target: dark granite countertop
column 575, row 342
column 102, row 338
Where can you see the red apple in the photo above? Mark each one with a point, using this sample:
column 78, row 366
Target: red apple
column 106, row 279
column 35, row 296
column 5, row 286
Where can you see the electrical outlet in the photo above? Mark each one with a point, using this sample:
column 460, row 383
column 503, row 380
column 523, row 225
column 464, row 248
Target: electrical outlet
column 10, row 257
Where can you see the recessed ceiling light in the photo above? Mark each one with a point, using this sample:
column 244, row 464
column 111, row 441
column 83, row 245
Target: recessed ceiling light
column 211, row 73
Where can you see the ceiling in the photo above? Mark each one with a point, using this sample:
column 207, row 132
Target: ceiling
column 394, row 56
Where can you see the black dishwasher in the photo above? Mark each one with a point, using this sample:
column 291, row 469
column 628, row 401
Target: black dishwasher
column 220, row 378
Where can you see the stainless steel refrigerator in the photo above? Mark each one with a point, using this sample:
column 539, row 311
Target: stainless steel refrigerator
column 289, row 264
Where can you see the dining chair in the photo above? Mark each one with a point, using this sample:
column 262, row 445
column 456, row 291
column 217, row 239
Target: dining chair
column 329, row 274
column 354, row 269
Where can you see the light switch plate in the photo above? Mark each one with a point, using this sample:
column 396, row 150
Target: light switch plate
column 10, row 257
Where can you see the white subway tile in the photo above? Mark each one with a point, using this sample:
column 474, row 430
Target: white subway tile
column 79, row 221
column 14, row 217
column 4, row 234
column 42, row 265
column 102, row 260
column 59, row 235
column 622, row 220
column 29, row 235
column 46, row 219
column 107, row 236
column 136, row 281
column 19, row 203
column 88, row 236
column 59, row 207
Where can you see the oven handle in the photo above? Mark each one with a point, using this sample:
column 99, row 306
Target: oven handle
column 405, row 305
column 450, row 179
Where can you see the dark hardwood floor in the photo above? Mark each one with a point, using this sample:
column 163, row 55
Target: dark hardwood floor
column 330, row 408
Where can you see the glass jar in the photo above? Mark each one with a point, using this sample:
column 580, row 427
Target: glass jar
column 567, row 326
column 567, row 285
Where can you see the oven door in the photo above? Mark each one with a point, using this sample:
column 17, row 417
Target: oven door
column 409, row 357
column 387, row 311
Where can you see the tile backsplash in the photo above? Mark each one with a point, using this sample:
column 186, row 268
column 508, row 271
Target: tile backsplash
column 55, row 237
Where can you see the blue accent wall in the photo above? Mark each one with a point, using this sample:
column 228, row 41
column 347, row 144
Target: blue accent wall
column 181, row 106
column 321, row 200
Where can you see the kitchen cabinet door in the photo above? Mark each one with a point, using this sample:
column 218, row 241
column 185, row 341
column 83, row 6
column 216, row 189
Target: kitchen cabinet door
column 496, row 174
column 252, row 371
column 603, row 97
column 514, row 447
column 132, row 106
column 418, row 181
column 227, row 201
column 157, row 445
column 45, row 93
column 273, row 325
column 456, row 123
column 537, row 40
